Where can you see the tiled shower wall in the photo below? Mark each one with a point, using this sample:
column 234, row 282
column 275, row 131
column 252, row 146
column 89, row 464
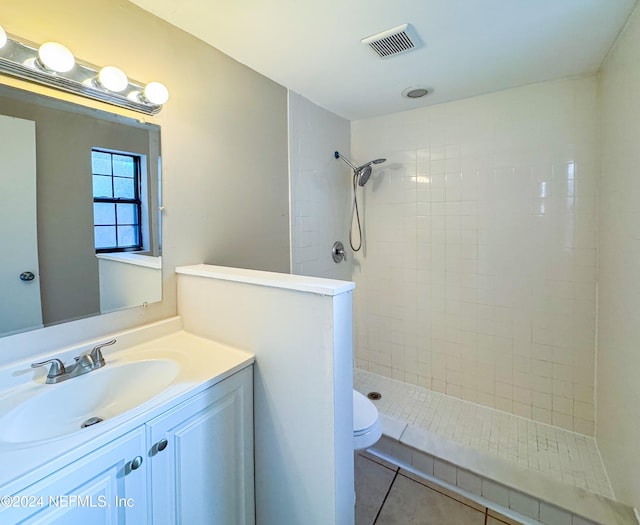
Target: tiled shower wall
column 319, row 186
column 619, row 266
column 479, row 274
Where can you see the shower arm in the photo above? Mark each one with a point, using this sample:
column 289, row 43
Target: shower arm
column 338, row 156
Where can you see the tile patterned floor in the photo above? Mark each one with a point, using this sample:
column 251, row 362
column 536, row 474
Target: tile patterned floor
column 386, row 495
column 563, row 455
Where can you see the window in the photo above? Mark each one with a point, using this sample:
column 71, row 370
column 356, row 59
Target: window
column 116, row 201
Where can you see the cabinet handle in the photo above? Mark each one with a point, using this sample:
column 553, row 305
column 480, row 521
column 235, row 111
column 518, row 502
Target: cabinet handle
column 136, row 462
column 162, row 444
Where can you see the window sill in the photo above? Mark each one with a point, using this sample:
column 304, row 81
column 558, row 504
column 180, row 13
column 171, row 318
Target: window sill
column 132, row 258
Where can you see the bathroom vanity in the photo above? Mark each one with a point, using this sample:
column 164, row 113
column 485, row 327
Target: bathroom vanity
column 180, row 452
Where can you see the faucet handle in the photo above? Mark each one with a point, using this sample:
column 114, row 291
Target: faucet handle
column 57, row 367
column 96, row 353
column 84, row 361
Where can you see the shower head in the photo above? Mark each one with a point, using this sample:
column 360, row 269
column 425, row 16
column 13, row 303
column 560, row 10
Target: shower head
column 362, row 173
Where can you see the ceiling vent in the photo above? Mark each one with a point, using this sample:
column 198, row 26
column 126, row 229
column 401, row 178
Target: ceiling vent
column 393, row 41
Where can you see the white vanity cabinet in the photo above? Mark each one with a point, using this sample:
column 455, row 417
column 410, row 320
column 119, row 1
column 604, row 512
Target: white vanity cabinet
column 102, row 487
column 201, row 460
column 192, row 463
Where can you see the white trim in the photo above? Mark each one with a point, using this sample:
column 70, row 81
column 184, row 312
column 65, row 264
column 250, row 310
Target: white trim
column 289, row 181
column 287, row 281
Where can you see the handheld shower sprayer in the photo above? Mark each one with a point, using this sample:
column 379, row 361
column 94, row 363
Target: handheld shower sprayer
column 361, row 175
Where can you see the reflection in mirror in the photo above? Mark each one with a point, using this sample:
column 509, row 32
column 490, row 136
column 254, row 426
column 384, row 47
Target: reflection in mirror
column 79, row 212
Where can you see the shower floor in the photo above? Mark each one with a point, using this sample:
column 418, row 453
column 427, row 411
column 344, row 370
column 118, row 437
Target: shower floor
column 565, row 456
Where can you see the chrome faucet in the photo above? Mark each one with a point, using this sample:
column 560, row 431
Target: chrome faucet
column 83, row 364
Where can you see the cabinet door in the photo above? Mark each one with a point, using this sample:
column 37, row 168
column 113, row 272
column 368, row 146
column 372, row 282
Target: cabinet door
column 101, row 488
column 204, row 472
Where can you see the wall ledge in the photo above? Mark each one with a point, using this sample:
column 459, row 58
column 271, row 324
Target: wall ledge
column 286, row 281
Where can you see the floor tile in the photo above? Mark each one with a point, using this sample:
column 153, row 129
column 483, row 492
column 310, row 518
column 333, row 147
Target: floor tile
column 442, row 490
column 411, row 503
column 372, row 484
column 379, row 460
column 499, row 519
column 565, row 456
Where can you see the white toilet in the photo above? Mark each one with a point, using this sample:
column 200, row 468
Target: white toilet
column 366, row 422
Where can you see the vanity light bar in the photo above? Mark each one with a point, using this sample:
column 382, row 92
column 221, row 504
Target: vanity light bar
column 28, row 62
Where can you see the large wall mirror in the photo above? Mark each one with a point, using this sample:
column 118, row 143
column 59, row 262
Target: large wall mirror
column 80, row 226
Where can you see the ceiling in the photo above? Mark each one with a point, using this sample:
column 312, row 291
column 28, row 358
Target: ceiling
column 469, row 46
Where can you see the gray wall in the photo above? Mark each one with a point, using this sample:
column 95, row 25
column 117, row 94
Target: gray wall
column 66, row 253
column 224, row 146
column 227, row 193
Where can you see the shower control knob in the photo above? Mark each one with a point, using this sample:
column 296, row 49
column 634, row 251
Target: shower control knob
column 338, row 252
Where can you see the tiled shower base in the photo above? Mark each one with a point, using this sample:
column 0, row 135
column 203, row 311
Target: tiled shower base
column 507, row 448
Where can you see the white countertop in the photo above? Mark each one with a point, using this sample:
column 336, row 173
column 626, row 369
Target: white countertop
column 202, row 363
column 301, row 283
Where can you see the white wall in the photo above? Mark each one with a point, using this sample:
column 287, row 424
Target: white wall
column 124, row 284
column 618, row 385
column 302, row 387
column 479, row 275
column 320, row 189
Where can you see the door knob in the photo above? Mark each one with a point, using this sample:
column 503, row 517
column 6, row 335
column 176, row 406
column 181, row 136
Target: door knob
column 27, row 276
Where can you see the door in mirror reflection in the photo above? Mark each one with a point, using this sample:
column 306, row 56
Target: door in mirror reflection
column 19, row 276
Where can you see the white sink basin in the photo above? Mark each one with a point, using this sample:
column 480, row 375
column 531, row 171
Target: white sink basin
column 52, row 411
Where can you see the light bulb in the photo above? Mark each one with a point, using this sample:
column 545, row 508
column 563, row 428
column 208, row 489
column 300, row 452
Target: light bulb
column 156, row 93
column 3, row 37
column 113, row 79
column 135, row 95
column 56, row 57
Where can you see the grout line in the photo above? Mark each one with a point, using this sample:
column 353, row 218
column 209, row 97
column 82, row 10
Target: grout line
column 406, row 426
column 441, row 492
column 606, row 473
column 385, row 497
column 396, row 469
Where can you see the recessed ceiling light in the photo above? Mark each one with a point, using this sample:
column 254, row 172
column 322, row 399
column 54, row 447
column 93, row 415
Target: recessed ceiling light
column 416, row 92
